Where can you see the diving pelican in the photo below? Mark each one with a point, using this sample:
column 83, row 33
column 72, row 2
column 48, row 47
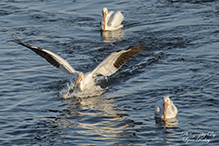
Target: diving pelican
column 111, row 21
column 165, row 109
column 106, row 68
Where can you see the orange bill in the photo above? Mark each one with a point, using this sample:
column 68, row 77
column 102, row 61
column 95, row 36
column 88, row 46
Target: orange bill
column 79, row 79
column 165, row 110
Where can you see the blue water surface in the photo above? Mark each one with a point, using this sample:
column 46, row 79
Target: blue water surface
column 181, row 59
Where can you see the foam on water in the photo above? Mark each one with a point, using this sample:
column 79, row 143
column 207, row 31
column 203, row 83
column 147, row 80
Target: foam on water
column 71, row 91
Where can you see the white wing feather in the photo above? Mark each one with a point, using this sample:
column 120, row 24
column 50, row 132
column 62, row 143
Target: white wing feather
column 107, row 68
column 159, row 109
column 109, row 15
column 115, row 61
column 64, row 65
column 116, row 19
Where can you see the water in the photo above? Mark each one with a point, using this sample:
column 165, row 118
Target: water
column 39, row 107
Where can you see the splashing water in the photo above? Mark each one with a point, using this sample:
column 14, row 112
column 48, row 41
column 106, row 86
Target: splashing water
column 71, row 91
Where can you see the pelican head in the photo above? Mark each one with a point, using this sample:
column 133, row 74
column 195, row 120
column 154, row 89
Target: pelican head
column 165, row 109
column 166, row 101
column 105, row 12
column 80, row 78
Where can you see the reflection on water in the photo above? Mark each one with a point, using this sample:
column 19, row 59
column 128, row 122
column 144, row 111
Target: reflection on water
column 112, row 36
column 106, row 119
column 168, row 122
column 96, row 117
column 184, row 32
column 169, row 129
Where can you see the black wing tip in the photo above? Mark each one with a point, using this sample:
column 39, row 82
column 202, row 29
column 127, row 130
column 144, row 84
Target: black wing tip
column 18, row 41
column 41, row 52
column 125, row 56
column 140, row 45
column 15, row 39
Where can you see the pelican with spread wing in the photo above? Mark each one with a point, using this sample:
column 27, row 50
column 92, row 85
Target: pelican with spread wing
column 108, row 67
column 111, row 21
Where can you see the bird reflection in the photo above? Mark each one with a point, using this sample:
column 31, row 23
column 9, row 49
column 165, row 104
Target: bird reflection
column 169, row 130
column 168, row 122
column 112, row 36
column 96, row 117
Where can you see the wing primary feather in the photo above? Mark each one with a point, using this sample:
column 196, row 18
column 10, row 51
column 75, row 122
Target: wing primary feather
column 115, row 61
column 49, row 56
column 42, row 53
column 124, row 57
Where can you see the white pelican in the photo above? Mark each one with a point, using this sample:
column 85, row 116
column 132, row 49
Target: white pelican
column 111, row 21
column 165, row 109
column 108, row 67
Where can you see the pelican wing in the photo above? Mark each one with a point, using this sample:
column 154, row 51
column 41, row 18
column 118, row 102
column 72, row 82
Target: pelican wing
column 116, row 19
column 110, row 14
column 51, row 57
column 115, row 61
column 159, row 109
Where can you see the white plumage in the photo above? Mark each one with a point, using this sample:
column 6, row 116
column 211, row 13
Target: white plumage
column 108, row 67
column 165, row 109
column 111, row 21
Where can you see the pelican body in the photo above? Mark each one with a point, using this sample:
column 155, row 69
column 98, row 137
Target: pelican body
column 85, row 81
column 165, row 109
column 111, row 21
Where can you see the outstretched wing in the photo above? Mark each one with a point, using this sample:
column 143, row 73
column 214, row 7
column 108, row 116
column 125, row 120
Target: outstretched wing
column 115, row 61
column 51, row 57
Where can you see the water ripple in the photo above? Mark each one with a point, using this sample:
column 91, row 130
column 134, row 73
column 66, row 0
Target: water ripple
column 39, row 105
